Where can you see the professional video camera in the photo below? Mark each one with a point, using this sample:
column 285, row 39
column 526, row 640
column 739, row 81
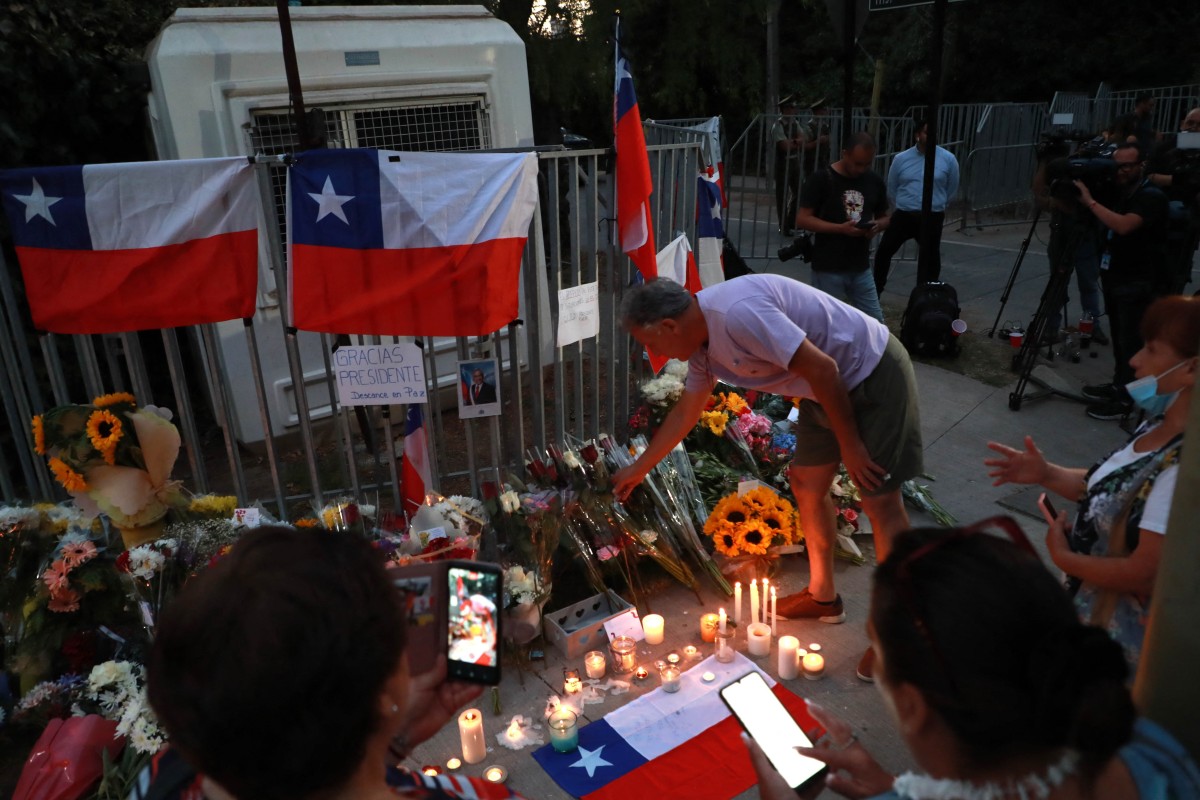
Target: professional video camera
column 801, row 246
column 1075, row 156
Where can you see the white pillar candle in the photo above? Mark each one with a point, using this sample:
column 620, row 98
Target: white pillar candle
column 722, row 621
column 594, row 664
column 765, row 607
column 789, row 659
column 470, row 730
column 758, row 637
column 774, row 610
column 652, row 626
column 737, row 603
column 813, row 665
column 754, row 600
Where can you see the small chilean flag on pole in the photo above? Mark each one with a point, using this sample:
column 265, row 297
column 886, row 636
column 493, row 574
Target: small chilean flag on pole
column 414, row 465
column 634, row 186
column 110, row 248
column 408, row 244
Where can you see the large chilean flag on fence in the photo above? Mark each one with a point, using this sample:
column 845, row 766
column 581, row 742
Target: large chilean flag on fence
column 634, row 186
column 108, row 248
column 685, row 744
column 408, row 244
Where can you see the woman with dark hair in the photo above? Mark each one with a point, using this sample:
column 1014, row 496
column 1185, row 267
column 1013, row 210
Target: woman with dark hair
column 997, row 688
column 281, row 673
column 1111, row 553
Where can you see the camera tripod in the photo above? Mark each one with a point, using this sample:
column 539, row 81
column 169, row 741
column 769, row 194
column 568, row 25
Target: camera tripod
column 1053, row 298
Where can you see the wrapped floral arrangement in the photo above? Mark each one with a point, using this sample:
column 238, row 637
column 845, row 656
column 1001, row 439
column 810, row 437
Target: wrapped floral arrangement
column 113, row 457
column 659, row 395
column 752, row 523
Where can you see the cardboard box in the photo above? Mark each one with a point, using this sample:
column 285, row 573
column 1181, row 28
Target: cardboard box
column 579, row 628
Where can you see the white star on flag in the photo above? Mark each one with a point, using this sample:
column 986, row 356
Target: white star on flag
column 331, row 202
column 591, row 760
column 38, row 204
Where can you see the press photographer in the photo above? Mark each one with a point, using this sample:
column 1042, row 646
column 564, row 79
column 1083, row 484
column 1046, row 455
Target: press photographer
column 1174, row 167
column 1133, row 268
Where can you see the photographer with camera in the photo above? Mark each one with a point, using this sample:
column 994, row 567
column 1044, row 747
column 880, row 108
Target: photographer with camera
column 1133, row 268
column 845, row 206
column 1174, row 167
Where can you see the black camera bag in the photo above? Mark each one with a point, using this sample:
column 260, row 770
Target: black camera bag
column 926, row 325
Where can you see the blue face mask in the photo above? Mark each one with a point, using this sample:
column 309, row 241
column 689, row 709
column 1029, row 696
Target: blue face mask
column 1144, row 393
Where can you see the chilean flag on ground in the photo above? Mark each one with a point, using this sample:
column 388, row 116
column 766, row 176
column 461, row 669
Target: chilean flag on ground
column 408, row 244
column 109, row 248
column 414, row 464
column 685, row 744
column 635, row 230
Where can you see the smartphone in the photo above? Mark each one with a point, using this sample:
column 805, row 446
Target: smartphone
column 864, row 224
column 772, row 727
column 473, row 611
column 1048, row 510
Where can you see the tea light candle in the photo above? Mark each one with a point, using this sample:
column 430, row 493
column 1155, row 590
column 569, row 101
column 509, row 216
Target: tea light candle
column 673, row 658
column 670, row 679
column 813, row 664
column 470, row 731
column 652, row 627
column 758, row 638
column 708, row 677
column 624, row 653
column 495, row 774
column 789, row 657
column 571, row 682
column 564, row 735
column 737, row 602
column 453, row 764
column 431, row 770
column 514, row 731
column 709, row 624
column 641, row 673
column 594, row 664
column 691, row 653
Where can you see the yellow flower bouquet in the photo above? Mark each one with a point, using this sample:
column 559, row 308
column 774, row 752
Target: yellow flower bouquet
column 113, row 457
column 752, row 524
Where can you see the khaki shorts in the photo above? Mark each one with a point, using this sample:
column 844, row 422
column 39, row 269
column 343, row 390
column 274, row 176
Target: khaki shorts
column 888, row 417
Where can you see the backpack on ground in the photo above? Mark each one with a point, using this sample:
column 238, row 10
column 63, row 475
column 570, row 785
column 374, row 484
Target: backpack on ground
column 926, row 325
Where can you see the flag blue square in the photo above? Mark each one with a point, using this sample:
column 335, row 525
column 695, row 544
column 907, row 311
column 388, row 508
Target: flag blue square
column 335, row 199
column 46, row 207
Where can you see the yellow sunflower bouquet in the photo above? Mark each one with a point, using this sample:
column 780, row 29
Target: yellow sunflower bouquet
column 113, row 457
column 752, row 524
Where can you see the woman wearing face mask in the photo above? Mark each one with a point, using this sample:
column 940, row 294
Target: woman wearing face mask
column 1110, row 553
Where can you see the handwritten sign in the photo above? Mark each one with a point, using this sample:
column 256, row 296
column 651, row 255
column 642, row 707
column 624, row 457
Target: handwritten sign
column 627, row 623
column 379, row 375
column 578, row 313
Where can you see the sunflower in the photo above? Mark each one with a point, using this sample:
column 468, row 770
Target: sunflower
column 104, row 429
column 731, row 509
column 116, row 398
column 754, row 536
column 715, row 421
column 39, row 435
column 71, row 480
column 725, row 539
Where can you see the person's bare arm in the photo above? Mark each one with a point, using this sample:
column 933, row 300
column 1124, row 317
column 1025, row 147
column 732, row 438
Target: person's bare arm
column 678, row 422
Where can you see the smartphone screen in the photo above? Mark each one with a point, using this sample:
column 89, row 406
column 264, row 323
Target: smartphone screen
column 1048, row 509
column 474, row 622
column 765, row 718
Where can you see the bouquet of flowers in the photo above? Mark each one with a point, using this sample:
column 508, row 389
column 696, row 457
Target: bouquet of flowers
column 746, row 529
column 113, row 457
column 659, row 395
column 117, row 691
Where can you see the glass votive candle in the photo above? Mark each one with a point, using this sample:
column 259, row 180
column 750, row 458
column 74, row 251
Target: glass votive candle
column 673, row 658
column 670, row 678
column 724, row 647
column 564, row 735
column 708, row 627
column 624, row 653
column 495, row 774
column 571, row 682
column 594, row 664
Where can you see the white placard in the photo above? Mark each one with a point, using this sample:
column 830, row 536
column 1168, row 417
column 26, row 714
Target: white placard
column 379, row 375
column 249, row 517
column 751, row 485
column 627, row 623
column 578, row 313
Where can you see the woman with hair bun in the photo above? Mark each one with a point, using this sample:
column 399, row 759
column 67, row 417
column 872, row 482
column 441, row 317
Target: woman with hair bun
column 997, row 688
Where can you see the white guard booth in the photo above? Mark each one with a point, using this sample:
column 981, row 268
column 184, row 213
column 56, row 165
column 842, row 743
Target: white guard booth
column 392, row 77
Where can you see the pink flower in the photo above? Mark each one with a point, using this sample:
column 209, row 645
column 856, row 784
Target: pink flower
column 607, row 552
column 65, row 601
column 849, row 514
column 55, row 576
column 78, row 553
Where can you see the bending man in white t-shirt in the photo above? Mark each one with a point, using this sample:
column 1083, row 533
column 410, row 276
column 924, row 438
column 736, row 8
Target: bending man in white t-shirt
column 858, row 401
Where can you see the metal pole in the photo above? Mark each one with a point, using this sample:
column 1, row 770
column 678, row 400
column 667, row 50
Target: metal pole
column 222, row 407
column 928, row 233
column 847, row 71
column 265, row 415
column 187, row 421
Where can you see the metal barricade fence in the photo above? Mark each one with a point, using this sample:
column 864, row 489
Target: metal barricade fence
column 578, row 391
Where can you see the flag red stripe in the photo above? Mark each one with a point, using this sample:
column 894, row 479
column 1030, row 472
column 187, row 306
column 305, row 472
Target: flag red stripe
column 456, row 290
column 712, row 764
column 112, row 291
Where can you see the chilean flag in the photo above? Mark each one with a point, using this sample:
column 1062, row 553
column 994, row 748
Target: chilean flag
column 414, row 464
column 109, row 248
column 710, row 231
column 635, row 230
column 685, row 744
column 408, row 244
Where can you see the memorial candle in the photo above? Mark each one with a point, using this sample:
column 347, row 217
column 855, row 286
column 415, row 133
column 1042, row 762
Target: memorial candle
column 758, row 638
column 652, row 627
column 708, row 627
column 594, row 664
column 737, row 602
column 722, row 621
column 754, row 600
column 774, row 610
column 470, row 731
column 789, row 659
column 564, row 736
column 765, row 606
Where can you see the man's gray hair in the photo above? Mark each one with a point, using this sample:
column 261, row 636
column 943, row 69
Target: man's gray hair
column 654, row 301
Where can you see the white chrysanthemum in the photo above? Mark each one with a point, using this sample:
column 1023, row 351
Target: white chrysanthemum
column 676, row 368
column 664, row 390
column 145, row 735
column 145, row 562
column 19, row 515
column 119, row 675
column 510, row 501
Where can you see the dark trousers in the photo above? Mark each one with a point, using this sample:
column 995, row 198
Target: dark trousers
column 906, row 225
column 1126, row 303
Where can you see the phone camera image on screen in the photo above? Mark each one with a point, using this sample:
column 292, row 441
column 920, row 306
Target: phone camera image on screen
column 473, row 622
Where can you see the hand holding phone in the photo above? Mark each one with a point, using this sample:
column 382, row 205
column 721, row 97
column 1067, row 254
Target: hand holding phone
column 773, row 729
column 1048, row 509
column 865, row 224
